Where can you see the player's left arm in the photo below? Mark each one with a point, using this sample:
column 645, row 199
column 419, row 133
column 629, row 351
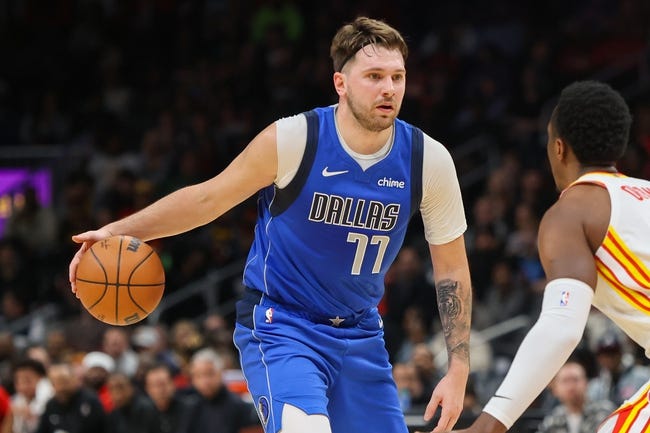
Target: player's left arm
column 444, row 221
column 454, row 293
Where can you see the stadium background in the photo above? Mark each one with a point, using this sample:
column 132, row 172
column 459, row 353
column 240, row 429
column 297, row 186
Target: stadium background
column 106, row 105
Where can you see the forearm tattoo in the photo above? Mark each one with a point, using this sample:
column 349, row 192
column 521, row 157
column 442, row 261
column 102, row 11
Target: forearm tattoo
column 455, row 317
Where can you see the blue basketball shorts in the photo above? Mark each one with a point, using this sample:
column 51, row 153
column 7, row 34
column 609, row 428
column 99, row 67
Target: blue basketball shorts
column 341, row 372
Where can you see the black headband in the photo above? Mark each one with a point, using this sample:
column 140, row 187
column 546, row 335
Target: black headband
column 347, row 59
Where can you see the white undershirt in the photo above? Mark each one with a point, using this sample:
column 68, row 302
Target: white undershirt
column 366, row 161
column 442, row 209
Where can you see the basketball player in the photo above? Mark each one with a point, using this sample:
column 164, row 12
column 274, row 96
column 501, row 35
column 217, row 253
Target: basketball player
column 594, row 243
column 338, row 187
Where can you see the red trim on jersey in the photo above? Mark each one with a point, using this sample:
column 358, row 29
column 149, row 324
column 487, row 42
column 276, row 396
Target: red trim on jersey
column 632, row 260
column 620, row 288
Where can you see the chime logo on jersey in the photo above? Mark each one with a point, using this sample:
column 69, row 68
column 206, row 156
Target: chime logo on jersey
column 351, row 212
column 391, row 183
column 564, row 298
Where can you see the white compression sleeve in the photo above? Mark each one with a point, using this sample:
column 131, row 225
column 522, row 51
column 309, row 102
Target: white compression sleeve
column 545, row 349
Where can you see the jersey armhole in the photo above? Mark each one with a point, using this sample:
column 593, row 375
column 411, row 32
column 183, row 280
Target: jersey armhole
column 286, row 196
column 584, row 182
column 417, row 151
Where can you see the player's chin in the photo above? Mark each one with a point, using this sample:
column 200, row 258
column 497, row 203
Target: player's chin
column 383, row 122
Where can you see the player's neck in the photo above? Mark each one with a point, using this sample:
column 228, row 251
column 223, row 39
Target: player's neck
column 584, row 169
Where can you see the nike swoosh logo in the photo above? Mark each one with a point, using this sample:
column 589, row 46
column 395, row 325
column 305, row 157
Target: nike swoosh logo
column 501, row 396
column 326, row 173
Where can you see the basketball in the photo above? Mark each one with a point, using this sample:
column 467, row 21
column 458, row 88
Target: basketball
column 120, row 280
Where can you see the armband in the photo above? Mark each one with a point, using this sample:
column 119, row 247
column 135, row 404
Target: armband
column 545, row 348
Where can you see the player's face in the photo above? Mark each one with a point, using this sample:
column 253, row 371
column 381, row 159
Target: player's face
column 375, row 86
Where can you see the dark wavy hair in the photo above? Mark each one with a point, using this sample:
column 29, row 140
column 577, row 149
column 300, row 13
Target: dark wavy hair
column 594, row 120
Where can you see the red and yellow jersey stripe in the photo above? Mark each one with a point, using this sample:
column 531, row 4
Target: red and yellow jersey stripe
column 624, row 271
column 632, row 417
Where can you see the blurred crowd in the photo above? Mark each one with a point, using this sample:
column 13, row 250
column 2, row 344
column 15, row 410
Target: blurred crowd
column 142, row 97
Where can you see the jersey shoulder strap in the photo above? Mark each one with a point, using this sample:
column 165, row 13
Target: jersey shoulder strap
column 417, row 151
column 286, row 196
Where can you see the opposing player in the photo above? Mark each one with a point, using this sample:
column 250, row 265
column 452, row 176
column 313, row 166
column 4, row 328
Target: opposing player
column 338, row 187
column 594, row 243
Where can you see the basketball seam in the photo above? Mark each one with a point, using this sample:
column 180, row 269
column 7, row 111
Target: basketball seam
column 105, row 283
column 117, row 280
column 128, row 282
column 115, row 284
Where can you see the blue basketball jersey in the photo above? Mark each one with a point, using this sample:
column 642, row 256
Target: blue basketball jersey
column 324, row 242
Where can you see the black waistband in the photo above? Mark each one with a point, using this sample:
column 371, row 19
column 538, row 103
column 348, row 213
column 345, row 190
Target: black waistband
column 253, row 297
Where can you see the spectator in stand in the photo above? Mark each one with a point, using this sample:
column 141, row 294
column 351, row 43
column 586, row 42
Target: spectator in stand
column 40, row 354
column 575, row 413
column 217, row 333
column 159, row 386
column 133, row 412
column 116, row 343
column 57, row 346
column 8, row 355
column 522, row 246
column 32, row 392
column 416, row 332
column 185, row 340
column 96, row 367
column 72, row 409
column 423, row 359
column 214, row 405
column 410, row 388
column 617, row 379
column 150, row 340
column 34, row 224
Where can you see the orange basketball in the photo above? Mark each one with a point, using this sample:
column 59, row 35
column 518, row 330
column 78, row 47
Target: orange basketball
column 120, row 280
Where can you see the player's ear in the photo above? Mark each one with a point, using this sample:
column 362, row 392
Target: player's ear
column 560, row 149
column 339, row 83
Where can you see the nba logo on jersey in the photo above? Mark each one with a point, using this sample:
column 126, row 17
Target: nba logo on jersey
column 564, row 298
column 269, row 315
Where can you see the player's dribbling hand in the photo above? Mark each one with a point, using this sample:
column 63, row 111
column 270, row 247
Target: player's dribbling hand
column 86, row 240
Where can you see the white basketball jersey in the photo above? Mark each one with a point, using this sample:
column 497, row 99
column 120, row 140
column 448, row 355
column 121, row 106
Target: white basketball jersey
column 623, row 259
